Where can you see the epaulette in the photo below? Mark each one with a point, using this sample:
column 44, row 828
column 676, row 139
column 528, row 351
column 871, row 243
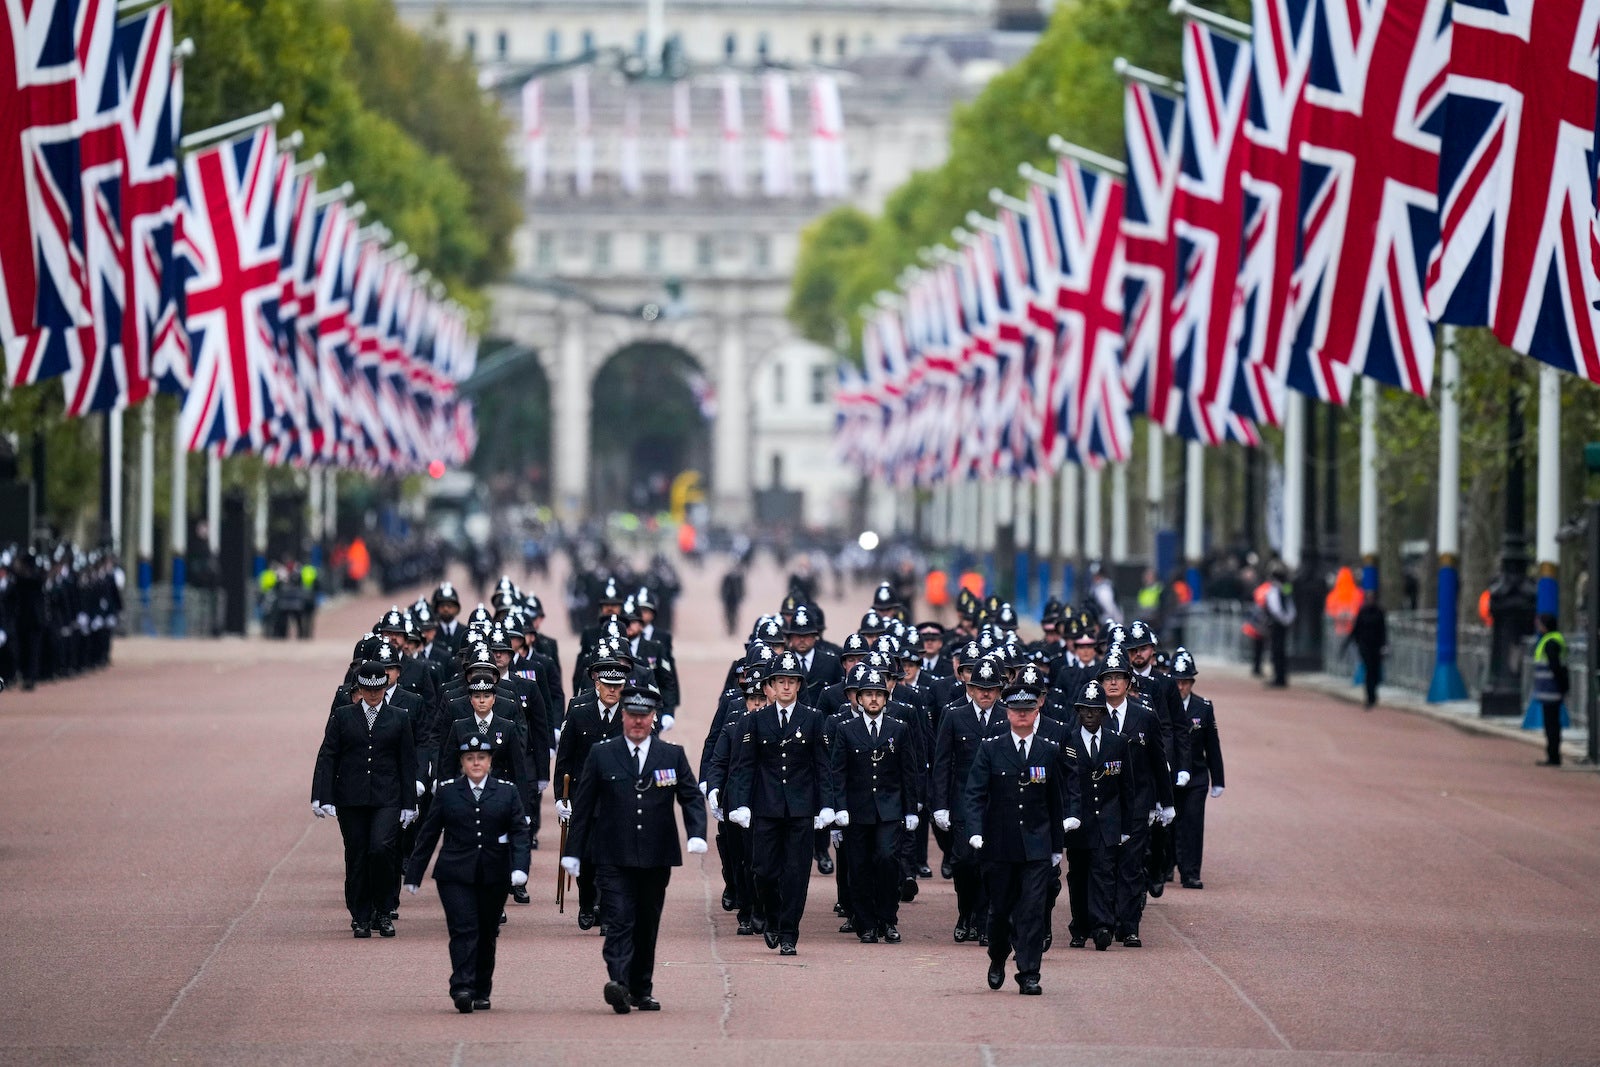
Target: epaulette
column 1069, row 750
column 447, row 781
column 502, row 781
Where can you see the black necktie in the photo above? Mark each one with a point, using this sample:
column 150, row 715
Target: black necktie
column 638, row 763
column 872, row 729
column 1022, row 751
column 477, row 792
column 783, row 719
column 1094, row 745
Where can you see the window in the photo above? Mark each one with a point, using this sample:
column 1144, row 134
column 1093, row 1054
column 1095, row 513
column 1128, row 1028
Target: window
column 762, row 46
column 762, row 254
column 777, row 471
column 816, row 46
column 588, row 41
column 819, row 384
column 572, row 245
column 472, row 44
column 639, row 42
column 545, row 250
column 552, row 44
column 703, row 254
column 866, row 42
column 602, row 251
column 652, row 251
column 730, row 45
column 502, row 44
column 778, row 384
column 842, row 45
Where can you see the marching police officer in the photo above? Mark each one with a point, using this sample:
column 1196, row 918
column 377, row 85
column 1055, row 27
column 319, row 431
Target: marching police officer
column 1016, row 818
column 1099, row 759
column 485, row 853
column 365, row 777
column 592, row 717
column 1205, row 771
column 962, row 730
column 1152, row 788
column 622, row 822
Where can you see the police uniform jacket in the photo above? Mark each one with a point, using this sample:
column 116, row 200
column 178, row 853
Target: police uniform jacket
column 780, row 773
column 1016, row 806
column 875, row 781
column 826, row 668
column 548, row 647
column 358, row 767
column 730, row 703
column 658, row 661
column 583, row 730
column 714, row 770
column 416, row 678
column 484, row 840
column 624, row 819
column 510, row 753
column 960, row 734
column 1205, row 748
column 1161, row 693
column 451, row 635
column 1104, row 786
column 1152, row 778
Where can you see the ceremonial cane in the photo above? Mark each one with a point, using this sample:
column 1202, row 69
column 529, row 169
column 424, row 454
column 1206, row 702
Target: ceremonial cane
column 562, row 878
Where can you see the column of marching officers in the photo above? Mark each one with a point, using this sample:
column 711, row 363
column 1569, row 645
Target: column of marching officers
column 1085, row 758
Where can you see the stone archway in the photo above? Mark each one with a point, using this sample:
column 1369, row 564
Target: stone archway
column 650, row 420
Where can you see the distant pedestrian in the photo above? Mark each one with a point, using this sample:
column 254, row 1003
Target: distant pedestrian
column 1370, row 636
column 1550, row 684
column 732, row 593
column 1280, row 610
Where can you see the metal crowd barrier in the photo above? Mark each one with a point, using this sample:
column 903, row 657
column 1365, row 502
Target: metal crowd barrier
column 153, row 613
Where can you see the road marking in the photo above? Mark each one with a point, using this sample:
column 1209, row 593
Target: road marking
column 988, row 1055
column 226, row 934
column 716, row 954
column 1238, row 992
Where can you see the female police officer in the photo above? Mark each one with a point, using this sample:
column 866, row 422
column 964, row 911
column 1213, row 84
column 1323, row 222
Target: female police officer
column 485, row 853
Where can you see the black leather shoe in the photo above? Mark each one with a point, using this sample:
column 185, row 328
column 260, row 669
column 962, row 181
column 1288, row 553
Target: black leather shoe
column 463, row 1002
column 946, row 871
column 586, row 920
column 787, row 949
column 616, row 995
column 384, row 927
column 867, row 938
column 519, row 893
column 1193, row 883
column 771, row 938
column 533, row 843
column 502, row 918
column 728, row 903
column 394, row 913
column 824, row 865
column 480, row 1003
column 983, row 939
column 759, row 924
column 891, row 934
column 1157, row 888
column 1049, row 939
column 745, row 929
column 924, row 871
column 645, row 1003
column 1102, row 939
column 1029, row 987
column 997, row 975
column 908, row 890
column 363, row 929
column 838, row 909
column 847, row 927
column 1077, row 942
column 960, row 933
column 1132, row 941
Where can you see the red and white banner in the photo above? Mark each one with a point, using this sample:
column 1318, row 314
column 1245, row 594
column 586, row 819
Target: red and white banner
column 777, row 157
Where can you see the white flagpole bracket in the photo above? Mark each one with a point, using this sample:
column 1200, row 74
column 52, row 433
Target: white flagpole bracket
column 1210, row 19
column 1130, row 73
column 343, row 192
column 246, row 124
column 978, row 222
column 1000, row 198
column 1087, row 156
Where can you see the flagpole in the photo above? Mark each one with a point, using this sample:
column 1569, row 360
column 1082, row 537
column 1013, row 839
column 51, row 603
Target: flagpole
column 314, row 506
column 1155, row 488
column 112, row 494
column 1547, row 511
column 180, row 525
column 1220, row 23
column 1067, row 535
column 1369, row 486
column 1130, row 73
column 1294, row 480
column 260, row 539
column 1087, row 156
column 1093, row 527
column 1024, row 538
column 1003, row 563
column 1194, row 514
column 1447, row 683
column 223, row 131
column 147, row 505
column 1119, row 513
column 214, row 500
column 1044, row 533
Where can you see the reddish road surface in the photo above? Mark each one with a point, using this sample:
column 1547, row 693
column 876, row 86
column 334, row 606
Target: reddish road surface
column 1379, row 889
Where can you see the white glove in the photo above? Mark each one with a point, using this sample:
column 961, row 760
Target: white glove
column 826, row 818
column 697, row 846
column 527, row 820
column 412, row 889
column 1216, row 791
column 841, row 819
column 1070, row 824
column 713, row 796
column 1167, row 815
column 666, row 722
column 837, row 837
column 329, row 810
column 717, row 814
column 740, row 817
column 1154, row 815
column 1055, row 859
column 421, row 789
column 911, row 822
column 1183, row 779
column 519, row 877
column 540, row 787
column 570, row 865
column 1124, row 840
column 941, row 818
column 703, row 788
column 407, row 817
column 563, row 810
column 558, row 739
column 976, row 841
column 316, row 809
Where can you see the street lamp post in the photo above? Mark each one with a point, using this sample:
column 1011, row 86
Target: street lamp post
column 1511, row 598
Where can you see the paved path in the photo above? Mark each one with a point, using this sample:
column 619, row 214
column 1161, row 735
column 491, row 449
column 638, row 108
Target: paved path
column 1380, row 889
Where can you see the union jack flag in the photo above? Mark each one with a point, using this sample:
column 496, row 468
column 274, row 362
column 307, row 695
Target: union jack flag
column 1153, row 132
column 1207, row 216
column 334, row 243
column 1369, row 196
column 1017, row 429
column 1280, row 61
column 1087, row 208
column 41, row 267
column 1517, row 179
column 231, row 245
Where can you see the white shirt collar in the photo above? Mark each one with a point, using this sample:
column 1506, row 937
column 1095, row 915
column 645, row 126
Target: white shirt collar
column 1087, row 736
column 489, row 717
column 480, row 784
column 388, row 694
column 606, row 711
column 1028, row 741
column 644, row 748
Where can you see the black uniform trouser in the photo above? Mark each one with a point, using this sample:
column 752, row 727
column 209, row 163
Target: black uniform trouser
column 780, row 856
column 1189, row 831
column 630, row 902
column 1278, row 645
column 1132, row 877
column 408, row 840
column 472, row 915
column 874, row 874
column 821, row 839
column 371, row 855
column 1017, row 893
column 733, row 845
column 1091, row 889
column 1162, row 853
column 1552, row 730
column 1372, row 674
column 972, row 895
column 919, row 846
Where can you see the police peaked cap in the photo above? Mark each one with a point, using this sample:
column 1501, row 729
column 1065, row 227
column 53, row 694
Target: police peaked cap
column 1116, row 662
column 611, row 595
column 1182, row 663
column 1090, row 696
column 803, row 622
column 373, row 674
column 640, row 696
column 1139, row 635
column 477, row 742
column 868, row 678
column 786, row 665
column 1022, row 697
column 988, row 674
column 610, row 670
column 446, row 594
